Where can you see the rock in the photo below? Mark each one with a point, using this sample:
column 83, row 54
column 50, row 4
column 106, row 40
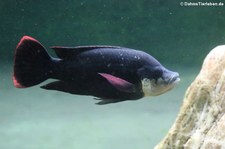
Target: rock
column 200, row 123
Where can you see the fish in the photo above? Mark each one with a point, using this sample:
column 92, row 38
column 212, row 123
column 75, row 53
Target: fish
column 110, row 74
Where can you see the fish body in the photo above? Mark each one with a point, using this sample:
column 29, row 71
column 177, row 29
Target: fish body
column 110, row 73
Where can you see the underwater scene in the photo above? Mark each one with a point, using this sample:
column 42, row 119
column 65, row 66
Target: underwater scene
column 99, row 74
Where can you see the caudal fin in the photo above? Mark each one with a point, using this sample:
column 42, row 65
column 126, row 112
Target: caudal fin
column 31, row 63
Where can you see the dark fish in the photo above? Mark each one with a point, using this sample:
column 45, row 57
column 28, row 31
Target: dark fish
column 110, row 73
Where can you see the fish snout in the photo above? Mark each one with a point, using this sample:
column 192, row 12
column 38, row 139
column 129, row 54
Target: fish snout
column 172, row 77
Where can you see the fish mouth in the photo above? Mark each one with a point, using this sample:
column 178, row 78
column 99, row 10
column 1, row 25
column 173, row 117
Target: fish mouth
column 174, row 79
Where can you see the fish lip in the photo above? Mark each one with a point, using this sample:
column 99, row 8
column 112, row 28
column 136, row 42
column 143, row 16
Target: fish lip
column 174, row 79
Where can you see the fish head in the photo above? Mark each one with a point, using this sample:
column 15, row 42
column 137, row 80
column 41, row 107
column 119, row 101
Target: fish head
column 157, row 80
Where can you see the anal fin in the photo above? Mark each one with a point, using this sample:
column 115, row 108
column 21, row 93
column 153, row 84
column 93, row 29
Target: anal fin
column 59, row 86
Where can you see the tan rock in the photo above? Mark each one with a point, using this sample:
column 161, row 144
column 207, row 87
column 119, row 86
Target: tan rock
column 200, row 123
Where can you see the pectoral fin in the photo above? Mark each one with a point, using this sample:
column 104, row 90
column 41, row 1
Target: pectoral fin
column 119, row 83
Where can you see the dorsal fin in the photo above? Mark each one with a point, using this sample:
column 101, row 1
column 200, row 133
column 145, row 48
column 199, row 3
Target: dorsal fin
column 66, row 52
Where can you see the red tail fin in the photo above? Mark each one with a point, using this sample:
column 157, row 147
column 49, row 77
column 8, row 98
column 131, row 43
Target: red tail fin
column 31, row 63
